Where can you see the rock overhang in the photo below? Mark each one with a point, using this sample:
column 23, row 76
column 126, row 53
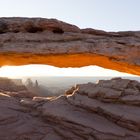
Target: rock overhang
column 49, row 41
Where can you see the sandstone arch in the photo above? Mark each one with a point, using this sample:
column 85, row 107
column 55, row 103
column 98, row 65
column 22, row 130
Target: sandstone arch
column 50, row 41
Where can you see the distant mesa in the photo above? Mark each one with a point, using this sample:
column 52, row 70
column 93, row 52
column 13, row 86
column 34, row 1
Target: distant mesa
column 11, row 84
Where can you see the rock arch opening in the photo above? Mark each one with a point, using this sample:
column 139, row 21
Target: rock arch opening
column 45, row 80
column 48, row 70
column 108, row 109
column 26, row 41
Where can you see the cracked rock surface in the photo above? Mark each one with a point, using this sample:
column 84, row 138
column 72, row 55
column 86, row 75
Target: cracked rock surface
column 108, row 110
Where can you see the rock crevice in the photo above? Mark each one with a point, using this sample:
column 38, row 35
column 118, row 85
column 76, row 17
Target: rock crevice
column 102, row 111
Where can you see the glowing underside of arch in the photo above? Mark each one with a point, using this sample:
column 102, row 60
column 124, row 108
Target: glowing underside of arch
column 65, row 61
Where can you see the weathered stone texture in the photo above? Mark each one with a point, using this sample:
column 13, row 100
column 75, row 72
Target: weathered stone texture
column 53, row 42
column 100, row 111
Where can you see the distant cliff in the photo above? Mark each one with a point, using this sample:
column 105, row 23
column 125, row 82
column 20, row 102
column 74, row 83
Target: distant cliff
column 11, row 84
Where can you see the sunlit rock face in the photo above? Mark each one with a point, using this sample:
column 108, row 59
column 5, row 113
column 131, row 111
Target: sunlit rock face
column 53, row 42
column 108, row 110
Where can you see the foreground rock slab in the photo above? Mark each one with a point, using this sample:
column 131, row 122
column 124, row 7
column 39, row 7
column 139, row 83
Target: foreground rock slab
column 108, row 110
column 53, row 42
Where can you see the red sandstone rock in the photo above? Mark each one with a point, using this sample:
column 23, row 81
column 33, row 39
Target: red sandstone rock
column 83, row 114
column 108, row 110
column 53, row 42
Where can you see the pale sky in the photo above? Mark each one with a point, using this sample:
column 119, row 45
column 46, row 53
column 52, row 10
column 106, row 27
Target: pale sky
column 43, row 70
column 109, row 15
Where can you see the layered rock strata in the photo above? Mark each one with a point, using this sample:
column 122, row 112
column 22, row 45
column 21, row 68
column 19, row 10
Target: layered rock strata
column 53, row 42
column 108, row 110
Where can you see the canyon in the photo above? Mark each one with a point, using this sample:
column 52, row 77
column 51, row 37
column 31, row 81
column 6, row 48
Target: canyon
column 107, row 110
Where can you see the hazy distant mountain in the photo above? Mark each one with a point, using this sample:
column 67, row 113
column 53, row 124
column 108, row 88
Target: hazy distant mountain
column 65, row 82
column 7, row 84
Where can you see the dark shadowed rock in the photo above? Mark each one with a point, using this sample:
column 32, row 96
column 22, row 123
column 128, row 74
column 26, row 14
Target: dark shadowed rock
column 3, row 27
